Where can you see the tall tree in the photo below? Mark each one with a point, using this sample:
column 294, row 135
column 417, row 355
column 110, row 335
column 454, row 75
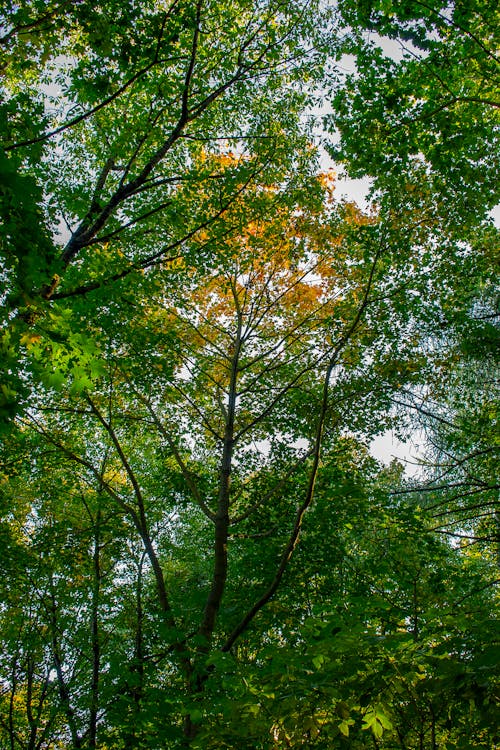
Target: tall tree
column 200, row 344
column 125, row 102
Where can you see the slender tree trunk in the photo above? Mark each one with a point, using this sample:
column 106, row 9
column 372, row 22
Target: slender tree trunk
column 12, row 701
column 416, row 624
column 130, row 740
column 220, row 569
column 95, row 636
column 30, row 670
column 63, row 688
column 219, row 575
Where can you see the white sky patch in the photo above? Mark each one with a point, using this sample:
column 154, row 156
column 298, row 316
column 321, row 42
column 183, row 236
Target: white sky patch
column 388, row 447
column 495, row 215
column 354, row 190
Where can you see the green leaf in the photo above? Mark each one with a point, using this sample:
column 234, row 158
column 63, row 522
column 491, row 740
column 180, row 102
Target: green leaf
column 318, row 661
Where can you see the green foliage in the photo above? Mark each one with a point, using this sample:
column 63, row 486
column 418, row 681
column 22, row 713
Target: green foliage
column 199, row 343
column 422, row 117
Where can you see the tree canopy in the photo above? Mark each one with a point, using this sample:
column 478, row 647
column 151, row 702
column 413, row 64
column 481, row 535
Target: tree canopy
column 200, row 341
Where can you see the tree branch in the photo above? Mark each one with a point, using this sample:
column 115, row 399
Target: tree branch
column 294, row 536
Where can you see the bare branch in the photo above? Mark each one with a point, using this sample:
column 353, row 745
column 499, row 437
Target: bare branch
column 186, row 473
column 316, row 452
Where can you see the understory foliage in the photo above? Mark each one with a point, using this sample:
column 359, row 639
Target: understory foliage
column 200, row 340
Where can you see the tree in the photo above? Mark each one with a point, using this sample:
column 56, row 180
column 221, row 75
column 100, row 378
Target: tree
column 461, row 488
column 425, row 118
column 181, row 80
column 422, row 123
column 195, row 369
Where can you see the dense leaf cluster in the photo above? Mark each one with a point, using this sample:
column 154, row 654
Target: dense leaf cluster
column 199, row 343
